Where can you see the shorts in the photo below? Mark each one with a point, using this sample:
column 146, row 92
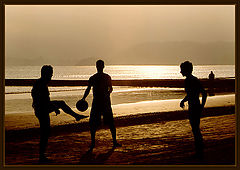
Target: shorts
column 99, row 109
column 195, row 113
column 47, row 108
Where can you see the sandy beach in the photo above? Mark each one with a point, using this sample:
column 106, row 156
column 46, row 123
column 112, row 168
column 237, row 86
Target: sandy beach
column 154, row 135
column 146, row 57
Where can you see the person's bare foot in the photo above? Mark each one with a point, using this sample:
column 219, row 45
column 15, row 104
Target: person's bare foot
column 44, row 159
column 79, row 117
column 91, row 147
column 116, row 145
column 57, row 112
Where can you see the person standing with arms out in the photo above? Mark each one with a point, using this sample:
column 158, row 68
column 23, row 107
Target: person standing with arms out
column 193, row 89
column 43, row 106
column 101, row 104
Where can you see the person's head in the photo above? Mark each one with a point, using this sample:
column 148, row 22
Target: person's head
column 47, row 72
column 186, row 68
column 100, row 65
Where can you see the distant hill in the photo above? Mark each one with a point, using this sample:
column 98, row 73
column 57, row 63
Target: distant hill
column 24, row 61
column 159, row 53
column 87, row 61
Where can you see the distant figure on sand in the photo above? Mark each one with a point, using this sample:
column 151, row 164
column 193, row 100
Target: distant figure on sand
column 101, row 105
column 211, row 77
column 193, row 89
column 43, row 106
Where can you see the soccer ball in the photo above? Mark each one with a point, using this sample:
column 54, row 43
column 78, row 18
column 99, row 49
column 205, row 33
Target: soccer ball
column 82, row 105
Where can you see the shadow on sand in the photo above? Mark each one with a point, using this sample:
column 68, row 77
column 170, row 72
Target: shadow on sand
column 89, row 158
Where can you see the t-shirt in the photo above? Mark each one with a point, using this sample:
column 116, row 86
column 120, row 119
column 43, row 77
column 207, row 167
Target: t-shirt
column 40, row 95
column 101, row 83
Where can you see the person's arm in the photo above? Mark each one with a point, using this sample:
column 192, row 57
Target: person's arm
column 183, row 101
column 110, row 88
column 186, row 97
column 204, row 97
column 86, row 92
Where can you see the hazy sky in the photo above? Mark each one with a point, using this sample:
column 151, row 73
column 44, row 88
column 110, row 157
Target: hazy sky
column 135, row 34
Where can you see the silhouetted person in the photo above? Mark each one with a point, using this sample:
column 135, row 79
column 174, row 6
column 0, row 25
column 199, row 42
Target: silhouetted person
column 193, row 89
column 211, row 77
column 101, row 104
column 43, row 106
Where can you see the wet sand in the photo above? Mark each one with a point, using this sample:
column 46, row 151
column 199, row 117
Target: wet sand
column 167, row 108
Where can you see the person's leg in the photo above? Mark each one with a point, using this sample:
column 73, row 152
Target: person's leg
column 44, row 135
column 113, row 132
column 94, row 122
column 108, row 119
column 198, row 139
column 93, row 132
column 62, row 105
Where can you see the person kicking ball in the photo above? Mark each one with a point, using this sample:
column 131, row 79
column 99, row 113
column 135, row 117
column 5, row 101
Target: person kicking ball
column 42, row 106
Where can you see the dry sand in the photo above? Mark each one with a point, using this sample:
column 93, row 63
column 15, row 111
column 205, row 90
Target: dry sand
column 165, row 143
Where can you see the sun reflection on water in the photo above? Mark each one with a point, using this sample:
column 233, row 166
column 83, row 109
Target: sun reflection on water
column 153, row 71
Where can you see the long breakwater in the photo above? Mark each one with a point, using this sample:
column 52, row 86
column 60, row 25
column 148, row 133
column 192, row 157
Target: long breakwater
column 221, row 83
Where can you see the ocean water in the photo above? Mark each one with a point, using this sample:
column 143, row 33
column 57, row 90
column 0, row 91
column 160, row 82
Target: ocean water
column 18, row 99
column 120, row 72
